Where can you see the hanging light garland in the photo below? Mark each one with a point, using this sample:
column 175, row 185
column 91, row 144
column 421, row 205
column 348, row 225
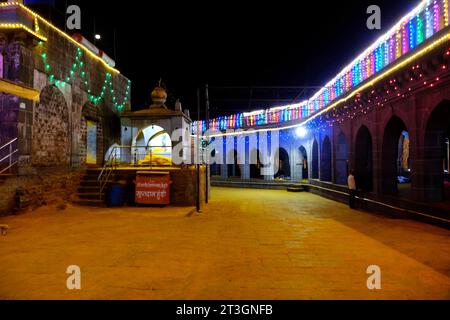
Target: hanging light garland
column 78, row 68
column 411, row 31
column 392, row 91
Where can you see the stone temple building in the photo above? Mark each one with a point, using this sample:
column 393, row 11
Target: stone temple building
column 60, row 106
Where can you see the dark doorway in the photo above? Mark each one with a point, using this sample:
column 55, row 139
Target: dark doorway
column 284, row 166
column 303, row 162
column 363, row 160
column 315, row 160
column 395, row 159
column 325, row 161
column 436, row 154
column 255, row 168
column 341, row 159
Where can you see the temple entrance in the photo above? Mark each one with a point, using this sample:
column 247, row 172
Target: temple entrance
column 284, row 168
column 91, row 142
column 303, row 162
column 315, row 160
column 152, row 146
column 396, row 160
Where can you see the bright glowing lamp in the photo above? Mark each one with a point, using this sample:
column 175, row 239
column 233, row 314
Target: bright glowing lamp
column 98, row 37
column 301, row 132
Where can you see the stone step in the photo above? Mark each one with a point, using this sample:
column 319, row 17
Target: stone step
column 93, row 176
column 296, row 189
column 89, row 177
column 89, row 189
column 90, row 202
column 91, row 183
column 91, row 195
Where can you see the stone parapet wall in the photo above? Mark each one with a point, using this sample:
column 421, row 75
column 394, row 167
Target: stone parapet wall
column 183, row 187
column 50, row 186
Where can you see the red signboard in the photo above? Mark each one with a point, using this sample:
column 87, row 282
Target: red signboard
column 152, row 188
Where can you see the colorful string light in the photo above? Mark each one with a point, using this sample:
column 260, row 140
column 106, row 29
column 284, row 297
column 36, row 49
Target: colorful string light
column 404, row 37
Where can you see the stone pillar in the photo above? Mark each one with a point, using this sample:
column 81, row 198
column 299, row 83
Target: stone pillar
column 296, row 164
column 245, row 172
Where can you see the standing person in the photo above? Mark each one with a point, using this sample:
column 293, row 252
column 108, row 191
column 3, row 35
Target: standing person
column 351, row 189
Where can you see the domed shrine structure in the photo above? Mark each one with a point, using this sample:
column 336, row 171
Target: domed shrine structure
column 155, row 173
column 149, row 131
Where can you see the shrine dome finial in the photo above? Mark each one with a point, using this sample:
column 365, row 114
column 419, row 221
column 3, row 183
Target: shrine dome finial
column 159, row 94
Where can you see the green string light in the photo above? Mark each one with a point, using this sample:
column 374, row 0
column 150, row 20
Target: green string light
column 77, row 69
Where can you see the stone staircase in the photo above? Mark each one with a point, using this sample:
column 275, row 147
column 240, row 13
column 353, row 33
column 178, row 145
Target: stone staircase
column 89, row 190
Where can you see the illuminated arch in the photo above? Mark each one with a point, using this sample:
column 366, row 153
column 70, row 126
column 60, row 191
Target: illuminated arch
column 152, row 145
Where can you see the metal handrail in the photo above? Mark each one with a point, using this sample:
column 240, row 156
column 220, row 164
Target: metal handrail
column 8, row 143
column 9, row 156
column 106, row 171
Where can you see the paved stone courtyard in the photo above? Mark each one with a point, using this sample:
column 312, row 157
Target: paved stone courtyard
column 247, row 244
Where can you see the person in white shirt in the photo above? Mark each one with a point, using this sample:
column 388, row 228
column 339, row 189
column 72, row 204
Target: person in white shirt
column 351, row 189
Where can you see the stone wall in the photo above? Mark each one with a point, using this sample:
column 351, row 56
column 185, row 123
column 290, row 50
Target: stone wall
column 9, row 117
column 52, row 132
column 183, row 187
column 51, row 145
column 47, row 187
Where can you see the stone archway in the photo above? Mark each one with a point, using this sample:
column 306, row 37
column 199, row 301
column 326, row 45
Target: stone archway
column 363, row 159
column 284, row 168
column 152, row 146
column 436, row 154
column 51, row 129
column 341, row 159
column 394, row 139
column 325, row 160
column 315, row 160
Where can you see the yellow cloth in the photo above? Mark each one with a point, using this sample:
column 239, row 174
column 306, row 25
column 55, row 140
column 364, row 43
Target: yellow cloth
column 18, row 90
column 156, row 159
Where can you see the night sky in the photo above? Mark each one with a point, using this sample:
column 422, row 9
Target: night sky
column 232, row 43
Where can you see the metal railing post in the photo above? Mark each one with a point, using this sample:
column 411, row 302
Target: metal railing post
column 8, row 160
column 10, row 157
